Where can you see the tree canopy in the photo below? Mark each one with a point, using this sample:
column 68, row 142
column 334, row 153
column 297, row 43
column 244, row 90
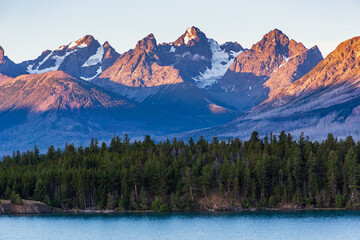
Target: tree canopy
column 174, row 175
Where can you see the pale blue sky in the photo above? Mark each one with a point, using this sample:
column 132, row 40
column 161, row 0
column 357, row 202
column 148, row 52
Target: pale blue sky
column 29, row 27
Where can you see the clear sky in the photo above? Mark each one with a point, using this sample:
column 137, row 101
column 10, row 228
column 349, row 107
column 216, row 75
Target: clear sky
column 29, row 27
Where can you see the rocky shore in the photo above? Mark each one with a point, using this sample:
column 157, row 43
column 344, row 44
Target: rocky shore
column 27, row 207
column 213, row 203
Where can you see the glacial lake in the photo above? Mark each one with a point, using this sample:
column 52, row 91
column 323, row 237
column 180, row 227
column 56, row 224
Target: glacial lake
column 309, row 225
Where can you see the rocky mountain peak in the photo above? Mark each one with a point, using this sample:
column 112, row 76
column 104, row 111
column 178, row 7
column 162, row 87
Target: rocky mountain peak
column 346, row 57
column 147, row 43
column 2, row 54
column 315, row 48
column 275, row 33
column 274, row 40
column 315, row 51
column 109, row 52
column 270, row 65
column 340, row 68
column 232, row 48
column 106, row 44
column 349, row 48
column 192, row 33
column 85, row 41
column 191, row 36
column 84, row 58
column 1, row 51
column 8, row 67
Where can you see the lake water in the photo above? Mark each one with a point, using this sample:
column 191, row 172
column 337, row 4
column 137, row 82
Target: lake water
column 310, row 225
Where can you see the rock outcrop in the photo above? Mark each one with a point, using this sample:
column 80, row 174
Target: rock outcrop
column 28, row 207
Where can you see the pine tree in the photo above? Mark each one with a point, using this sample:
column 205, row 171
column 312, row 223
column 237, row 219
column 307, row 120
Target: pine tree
column 333, row 173
column 39, row 192
column 351, row 174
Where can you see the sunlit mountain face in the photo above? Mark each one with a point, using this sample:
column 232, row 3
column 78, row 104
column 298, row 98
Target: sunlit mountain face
column 191, row 86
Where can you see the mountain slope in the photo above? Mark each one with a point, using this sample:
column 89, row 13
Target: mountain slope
column 141, row 67
column 192, row 57
column 258, row 73
column 4, row 78
column 54, row 91
column 169, row 88
column 168, row 76
column 199, row 58
column 340, row 69
column 8, row 67
column 326, row 100
column 58, row 108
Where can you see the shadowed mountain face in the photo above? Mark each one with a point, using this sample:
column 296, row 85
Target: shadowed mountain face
column 190, row 53
column 258, row 73
column 8, row 67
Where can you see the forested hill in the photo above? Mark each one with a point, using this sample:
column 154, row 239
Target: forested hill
column 178, row 176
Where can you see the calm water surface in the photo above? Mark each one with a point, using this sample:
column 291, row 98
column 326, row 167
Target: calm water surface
column 310, row 225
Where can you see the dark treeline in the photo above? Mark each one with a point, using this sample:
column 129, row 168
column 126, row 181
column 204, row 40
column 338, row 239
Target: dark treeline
column 174, row 175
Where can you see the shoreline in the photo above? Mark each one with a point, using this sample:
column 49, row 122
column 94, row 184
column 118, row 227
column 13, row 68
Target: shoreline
column 82, row 211
column 30, row 207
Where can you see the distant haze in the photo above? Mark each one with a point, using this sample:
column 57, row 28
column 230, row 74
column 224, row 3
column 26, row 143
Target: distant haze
column 30, row 27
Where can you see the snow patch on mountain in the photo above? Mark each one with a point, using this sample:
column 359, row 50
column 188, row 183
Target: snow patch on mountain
column 286, row 59
column 188, row 36
column 172, row 49
column 58, row 60
column 220, row 62
column 96, row 58
column 235, row 54
column 98, row 72
column 73, row 45
column 61, row 48
column 45, row 58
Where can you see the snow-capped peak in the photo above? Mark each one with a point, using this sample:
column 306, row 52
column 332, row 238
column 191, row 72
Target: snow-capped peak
column 85, row 58
column 61, row 48
column 191, row 33
column 82, row 42
column 73, row 45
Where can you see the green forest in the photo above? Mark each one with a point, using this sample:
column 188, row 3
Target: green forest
column 175, row 175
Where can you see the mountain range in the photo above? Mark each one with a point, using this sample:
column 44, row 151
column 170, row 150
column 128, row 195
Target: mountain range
column 190, row 87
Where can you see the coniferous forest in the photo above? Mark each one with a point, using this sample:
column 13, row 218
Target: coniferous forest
column 175, row 175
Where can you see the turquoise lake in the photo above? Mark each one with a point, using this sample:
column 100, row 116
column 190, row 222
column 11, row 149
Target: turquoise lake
column 310, row 225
